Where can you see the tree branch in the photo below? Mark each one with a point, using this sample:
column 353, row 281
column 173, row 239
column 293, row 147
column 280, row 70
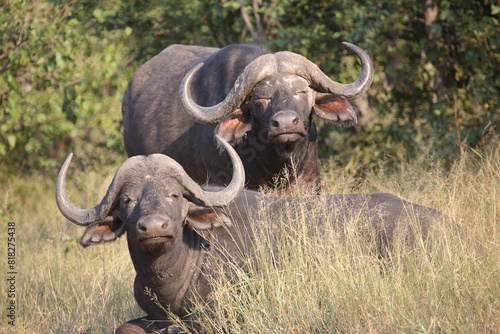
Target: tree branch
column 249, row 25
column 255, row 6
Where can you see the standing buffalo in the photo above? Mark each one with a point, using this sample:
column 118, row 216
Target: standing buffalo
column 175, row 229
column 260, row 102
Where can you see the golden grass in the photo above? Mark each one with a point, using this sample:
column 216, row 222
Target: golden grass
column 322, row 285
column 61, row 287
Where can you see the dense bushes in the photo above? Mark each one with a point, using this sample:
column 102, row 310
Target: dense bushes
column 61, row 80
column 65, row 65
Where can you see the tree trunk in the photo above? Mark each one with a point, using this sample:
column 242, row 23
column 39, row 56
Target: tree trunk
column 430, row 9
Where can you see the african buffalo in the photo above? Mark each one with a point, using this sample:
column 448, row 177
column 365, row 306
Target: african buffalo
column 172, row 225
column 260, row 102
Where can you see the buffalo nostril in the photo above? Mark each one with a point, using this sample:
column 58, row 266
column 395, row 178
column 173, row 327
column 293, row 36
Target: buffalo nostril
column 164, row 225
column 142, row 227
column 275, row 124
column 295, row 121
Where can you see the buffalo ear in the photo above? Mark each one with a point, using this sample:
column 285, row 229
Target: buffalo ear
column 205, row 218
column 234, row 126
column 102, row 232
column 336, row 109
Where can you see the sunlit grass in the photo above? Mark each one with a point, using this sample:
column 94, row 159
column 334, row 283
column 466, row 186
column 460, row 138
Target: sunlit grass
column 61, row 287
column 321, row 283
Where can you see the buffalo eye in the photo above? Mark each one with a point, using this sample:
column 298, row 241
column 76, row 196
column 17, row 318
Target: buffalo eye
column 300, row 93
column 171, row 197
column 262, row 101
column 127, row 201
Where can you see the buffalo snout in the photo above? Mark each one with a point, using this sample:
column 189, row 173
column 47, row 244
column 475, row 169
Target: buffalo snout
column 286, row 126
column 154, row 227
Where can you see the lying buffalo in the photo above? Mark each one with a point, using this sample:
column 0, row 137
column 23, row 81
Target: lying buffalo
column 260, row 102
column 172, row 225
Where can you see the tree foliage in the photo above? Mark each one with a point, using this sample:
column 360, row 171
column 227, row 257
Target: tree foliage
column 64, row 67
column 61, row 81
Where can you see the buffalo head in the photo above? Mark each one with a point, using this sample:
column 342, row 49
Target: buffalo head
column 150, row 197
column 282, row 90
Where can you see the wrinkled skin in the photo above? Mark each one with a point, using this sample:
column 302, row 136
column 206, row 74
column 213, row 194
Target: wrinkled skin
column 170, row 234
column 272, row 130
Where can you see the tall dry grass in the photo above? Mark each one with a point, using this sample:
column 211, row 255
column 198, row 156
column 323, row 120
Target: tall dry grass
column 61, row 287
column 322, row 283
column 330, row 284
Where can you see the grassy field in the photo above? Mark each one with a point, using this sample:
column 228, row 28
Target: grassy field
column 321, row 286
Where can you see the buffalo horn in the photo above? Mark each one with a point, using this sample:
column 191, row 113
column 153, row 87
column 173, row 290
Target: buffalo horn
column 264, row 66
column 320, row 81
column 85, row 217
column 168, row 167
column 254, row 72
column 209, row 198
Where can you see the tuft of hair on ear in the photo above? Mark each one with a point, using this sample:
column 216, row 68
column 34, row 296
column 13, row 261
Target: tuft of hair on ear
column 346, row 124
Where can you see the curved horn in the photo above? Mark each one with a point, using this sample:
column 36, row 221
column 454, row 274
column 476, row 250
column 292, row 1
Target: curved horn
column 209, row 198
column 323, row 83
column 265, row 65
column 253, row 73
column 85, row 217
